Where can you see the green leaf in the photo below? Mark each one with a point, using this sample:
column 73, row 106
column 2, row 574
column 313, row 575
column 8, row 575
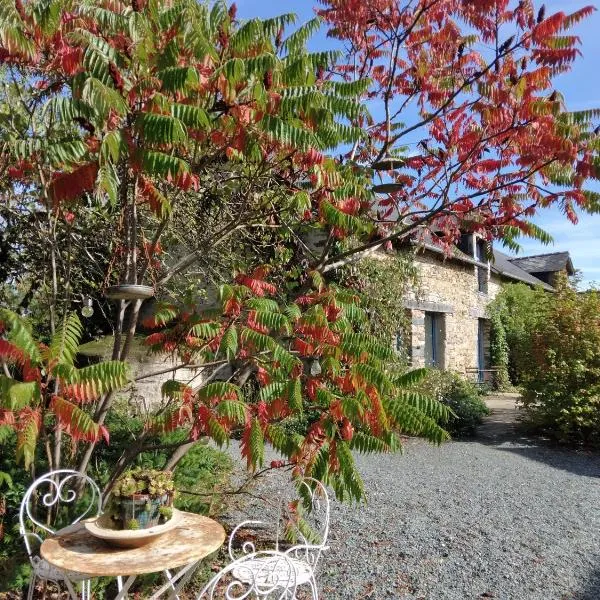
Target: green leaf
column 65, row 342
column 220, row 390
column 27, row 437
column 233, row 410
column 337, row 218
column 103, row 98
column 161, row 164
column 178, row 79
column 412, row 421
column 287, row 134
column 294, row 395
column 174, row 390
column 160, row 129
column 191, row 116
column 229, row 343
column 411, row 377
column 296, row 41
column 15, row 395
column 113, row 147
column 20, row 335
column 428, row 406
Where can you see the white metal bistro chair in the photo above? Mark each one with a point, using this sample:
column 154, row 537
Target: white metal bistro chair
column 45, row 495
column 256, row 568
column 256, row 576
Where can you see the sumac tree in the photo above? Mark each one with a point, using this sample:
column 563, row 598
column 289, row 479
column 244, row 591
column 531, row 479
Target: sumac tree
column 211, row 146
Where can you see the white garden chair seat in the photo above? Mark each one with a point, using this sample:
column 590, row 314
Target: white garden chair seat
column 264, row 571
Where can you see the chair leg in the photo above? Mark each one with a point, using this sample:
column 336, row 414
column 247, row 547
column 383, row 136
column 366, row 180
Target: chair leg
column 313, row 588
column 31, row 588
column 72, row 591
column 168, row 576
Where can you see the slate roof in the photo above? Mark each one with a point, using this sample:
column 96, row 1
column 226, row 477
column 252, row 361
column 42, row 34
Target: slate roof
column 511, row 267
column 544, row 263
column 505, row 265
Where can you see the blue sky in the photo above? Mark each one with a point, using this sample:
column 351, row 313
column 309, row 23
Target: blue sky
column 581, row 89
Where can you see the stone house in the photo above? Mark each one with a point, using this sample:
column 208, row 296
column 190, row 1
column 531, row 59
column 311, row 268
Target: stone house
column 447, row 320
column 447, row 324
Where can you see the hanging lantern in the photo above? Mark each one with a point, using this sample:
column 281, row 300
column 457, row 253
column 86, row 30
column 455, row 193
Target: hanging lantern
column 87, row 310
column 315, row 368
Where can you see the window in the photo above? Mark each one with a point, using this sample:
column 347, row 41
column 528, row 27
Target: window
column 434, row 339
column 482, row 272
column 482, row 279
column 465, row 243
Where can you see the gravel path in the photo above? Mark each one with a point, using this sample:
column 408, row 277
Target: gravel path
column 493, row 518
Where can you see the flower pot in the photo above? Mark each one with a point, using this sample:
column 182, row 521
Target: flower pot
column 102, row 528
column 142, row 509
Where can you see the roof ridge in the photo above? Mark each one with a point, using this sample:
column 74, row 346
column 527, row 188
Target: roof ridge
column 511, row 258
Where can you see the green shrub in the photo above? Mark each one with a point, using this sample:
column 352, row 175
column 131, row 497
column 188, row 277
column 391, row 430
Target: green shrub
column 561, row 389
column 515, row 312
column 461, row 396
column 465, row 401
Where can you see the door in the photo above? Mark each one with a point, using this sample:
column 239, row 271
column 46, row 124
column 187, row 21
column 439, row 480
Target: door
column 433, row 339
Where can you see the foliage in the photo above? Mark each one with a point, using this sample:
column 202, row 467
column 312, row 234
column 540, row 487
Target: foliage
column 151, row 482
column 383, row 283
column 200, row 471
column 138, row 496
column 42, row 383
column 307, row 355
column 462, row 397
column 489, row 121
column 518, row 309
column 205, row 146
column 561, row 389
column 499, row 351
column 14, row 564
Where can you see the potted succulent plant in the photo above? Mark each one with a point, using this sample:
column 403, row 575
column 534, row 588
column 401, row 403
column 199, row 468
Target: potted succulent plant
column 142, row 498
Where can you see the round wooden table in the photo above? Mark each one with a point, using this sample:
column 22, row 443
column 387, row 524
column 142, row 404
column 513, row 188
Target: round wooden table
column 184, row 546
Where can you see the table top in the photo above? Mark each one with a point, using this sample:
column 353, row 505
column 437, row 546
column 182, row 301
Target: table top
column 77, row 550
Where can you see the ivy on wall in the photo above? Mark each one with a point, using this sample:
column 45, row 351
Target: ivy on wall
column 383, row 282
column 499, row 354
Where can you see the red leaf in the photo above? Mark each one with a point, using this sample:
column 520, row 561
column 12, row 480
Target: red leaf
column 11, row 353
column 69, row 186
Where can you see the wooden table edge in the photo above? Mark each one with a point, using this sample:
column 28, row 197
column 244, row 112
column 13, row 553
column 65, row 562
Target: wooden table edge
column 124, row 571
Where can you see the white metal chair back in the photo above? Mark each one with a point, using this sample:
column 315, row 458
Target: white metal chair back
column 309, row 533
column 310, row 530
column 258, row 575
column 48, row 492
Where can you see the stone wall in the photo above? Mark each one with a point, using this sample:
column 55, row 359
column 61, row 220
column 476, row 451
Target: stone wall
column 449, row 288
column 145, row 392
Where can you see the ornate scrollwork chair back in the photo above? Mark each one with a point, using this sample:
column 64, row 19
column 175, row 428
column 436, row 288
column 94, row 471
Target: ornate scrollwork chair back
column 309, row 530
column 302, row 525
column 266, row 575
column 53, row 501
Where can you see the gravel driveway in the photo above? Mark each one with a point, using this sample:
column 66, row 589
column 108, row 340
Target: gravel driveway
column 496, row 517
